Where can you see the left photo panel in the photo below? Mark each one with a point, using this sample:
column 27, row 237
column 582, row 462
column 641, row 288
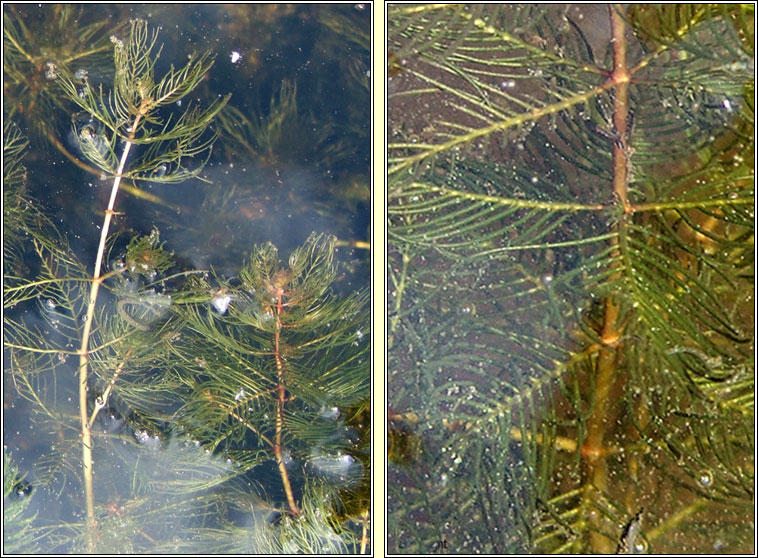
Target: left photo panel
column 187, row 332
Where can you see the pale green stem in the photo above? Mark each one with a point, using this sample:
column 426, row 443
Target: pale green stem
column 87, row 463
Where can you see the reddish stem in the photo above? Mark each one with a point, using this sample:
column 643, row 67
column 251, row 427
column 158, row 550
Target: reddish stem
column 280, row 405
column 593, row 450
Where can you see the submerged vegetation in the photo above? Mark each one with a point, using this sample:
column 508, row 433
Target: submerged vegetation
column 175, row 409
column 571, row 278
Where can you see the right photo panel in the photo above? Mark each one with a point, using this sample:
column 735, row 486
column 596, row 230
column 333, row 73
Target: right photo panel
column 570, row 279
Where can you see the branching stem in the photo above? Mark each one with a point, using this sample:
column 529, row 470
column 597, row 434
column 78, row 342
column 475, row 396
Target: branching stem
column 605, row 373
column 87, row 462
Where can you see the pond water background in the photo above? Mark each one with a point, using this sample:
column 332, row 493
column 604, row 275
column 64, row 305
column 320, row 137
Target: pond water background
column 312, row 175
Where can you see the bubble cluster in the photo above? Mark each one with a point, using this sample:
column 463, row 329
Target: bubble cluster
column 220, row 301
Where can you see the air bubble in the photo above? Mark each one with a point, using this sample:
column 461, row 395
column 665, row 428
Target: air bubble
column 336, row 467
column 467, row 310
column 87, row 132
column 286, row 456
column 329, row 413
column 52, row 71
column 640, row 546
column 22, row 489
column 220, row 301
column 705, row 478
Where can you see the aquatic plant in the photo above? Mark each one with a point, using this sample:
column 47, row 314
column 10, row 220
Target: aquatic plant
column 571, row 220
column 205, row 390
column 128, row 115
column 17, row 523
column 63, row 40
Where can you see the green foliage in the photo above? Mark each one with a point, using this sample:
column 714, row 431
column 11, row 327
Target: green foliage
column 238, row 346
column 14, row 179
column 117, row 116
column 264, row 135
column 18, row 533
column 571, row 276
column 36, row 51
